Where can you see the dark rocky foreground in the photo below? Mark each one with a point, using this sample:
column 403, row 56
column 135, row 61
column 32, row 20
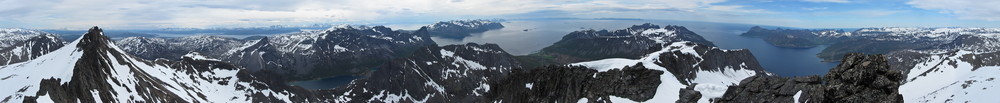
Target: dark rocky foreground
column 858, row 79
column 571, row 83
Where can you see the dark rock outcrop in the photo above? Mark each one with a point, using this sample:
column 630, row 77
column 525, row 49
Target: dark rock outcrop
column 689, row 95
column 763, row 89
column 858, row 79
column 569, row 84
column 861, row 78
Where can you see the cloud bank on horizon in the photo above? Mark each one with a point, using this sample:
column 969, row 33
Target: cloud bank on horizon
column 135, row 14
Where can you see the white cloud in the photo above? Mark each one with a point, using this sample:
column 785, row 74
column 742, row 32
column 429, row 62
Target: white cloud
column 875, row 13
column 815, row 8
column 861, row 13
column 964, row 9
column 829, row 1
column 200, row 13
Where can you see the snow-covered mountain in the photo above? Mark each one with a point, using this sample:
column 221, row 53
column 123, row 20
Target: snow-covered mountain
column 94, row 69
column 18, row 45
column 458, row 29
column 340, row 50
column 453, row 73
column 953, row 76
column 174, row 48
column 633, row 42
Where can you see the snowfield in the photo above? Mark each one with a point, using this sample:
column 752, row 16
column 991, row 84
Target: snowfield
column 950, row 79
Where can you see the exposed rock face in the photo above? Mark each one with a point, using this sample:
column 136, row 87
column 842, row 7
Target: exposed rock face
column 458, row 29
column 453, row 73
column 632, row 42
column 764, row 89
column 568, row 84
column 858, row 79
column 689, row 95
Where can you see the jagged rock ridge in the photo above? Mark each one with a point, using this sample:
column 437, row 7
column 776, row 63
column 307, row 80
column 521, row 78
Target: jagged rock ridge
column 858, row 79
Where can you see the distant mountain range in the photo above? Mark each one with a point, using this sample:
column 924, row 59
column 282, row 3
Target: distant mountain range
column 879, row 40
column 343, row 50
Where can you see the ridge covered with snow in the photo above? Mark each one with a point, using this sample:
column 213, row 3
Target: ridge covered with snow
column 93, row 69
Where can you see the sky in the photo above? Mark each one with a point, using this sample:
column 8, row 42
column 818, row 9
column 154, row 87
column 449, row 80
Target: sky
column 140, row 14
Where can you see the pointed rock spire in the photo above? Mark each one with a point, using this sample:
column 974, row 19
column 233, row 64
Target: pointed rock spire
column 94, row 39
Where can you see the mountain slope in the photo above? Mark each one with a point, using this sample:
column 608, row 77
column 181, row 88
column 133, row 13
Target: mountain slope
column 93, row 69
column 453, row 73
column 951, row 76
column 20, row 45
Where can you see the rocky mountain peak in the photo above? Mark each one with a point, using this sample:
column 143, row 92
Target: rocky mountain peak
column 94, row 39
